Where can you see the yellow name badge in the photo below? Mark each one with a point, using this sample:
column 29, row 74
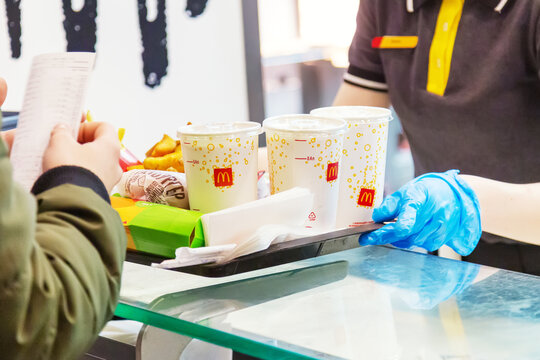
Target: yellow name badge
column 394, row 42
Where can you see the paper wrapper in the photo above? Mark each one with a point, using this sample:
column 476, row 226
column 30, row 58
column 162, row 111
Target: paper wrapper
column 156, row 186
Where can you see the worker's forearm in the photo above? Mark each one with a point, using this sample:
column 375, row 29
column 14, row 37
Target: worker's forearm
column 350, row 95
column 509, row 210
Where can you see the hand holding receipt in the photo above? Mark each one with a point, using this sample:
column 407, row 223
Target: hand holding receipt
column 54, row 95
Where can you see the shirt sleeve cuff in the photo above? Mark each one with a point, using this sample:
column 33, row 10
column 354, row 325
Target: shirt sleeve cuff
column 366, row 79
column 70, row 175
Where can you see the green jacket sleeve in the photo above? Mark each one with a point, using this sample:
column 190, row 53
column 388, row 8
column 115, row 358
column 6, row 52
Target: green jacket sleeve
column 61, row 255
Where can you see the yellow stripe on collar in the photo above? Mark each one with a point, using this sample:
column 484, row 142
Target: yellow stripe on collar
column 442, row 45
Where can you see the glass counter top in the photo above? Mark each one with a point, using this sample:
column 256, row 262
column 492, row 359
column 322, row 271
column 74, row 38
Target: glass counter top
column 370, row 302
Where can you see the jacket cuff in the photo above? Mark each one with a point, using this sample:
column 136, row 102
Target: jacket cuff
column 70, row 175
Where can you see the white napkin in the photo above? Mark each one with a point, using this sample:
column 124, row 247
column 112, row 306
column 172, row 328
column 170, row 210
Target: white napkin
column 186, row 256
column 249, row 228
column 238, row 224
column 265, row 236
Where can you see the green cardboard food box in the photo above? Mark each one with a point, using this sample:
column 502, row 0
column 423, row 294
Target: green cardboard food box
column 158, row 229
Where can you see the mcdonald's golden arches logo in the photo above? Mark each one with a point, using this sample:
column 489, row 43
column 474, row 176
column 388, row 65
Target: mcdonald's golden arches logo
column 223, row 177
column 332, row 171
column 366, row 197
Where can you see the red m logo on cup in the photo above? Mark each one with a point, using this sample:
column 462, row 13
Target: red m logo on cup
column 223, row 177
column 332, row 171
column 366, row 197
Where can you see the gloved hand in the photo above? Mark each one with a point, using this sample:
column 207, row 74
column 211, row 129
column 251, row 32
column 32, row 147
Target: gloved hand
column 432, row 210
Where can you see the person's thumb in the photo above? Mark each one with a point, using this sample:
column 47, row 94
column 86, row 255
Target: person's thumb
column 389, row 208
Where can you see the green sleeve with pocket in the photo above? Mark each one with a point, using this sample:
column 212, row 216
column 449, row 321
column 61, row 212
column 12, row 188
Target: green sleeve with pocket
column 61, row 256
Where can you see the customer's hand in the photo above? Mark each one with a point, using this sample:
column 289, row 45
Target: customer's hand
column 3, row 91
column 8, row 137
column 432, row 210
column 97, row 150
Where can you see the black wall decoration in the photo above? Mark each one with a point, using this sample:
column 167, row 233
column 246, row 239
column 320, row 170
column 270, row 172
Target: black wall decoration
column 80, row 26
column 195, row 8
column 154, row 41
column 13, row 12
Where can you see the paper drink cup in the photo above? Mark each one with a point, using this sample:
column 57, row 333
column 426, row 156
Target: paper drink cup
column 364, row 161
column 305, row 151
column 220, row 162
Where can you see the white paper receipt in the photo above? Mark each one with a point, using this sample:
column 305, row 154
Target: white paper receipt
column 54, row 94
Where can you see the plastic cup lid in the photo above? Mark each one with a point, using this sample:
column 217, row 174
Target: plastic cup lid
column 367, row 114
column 221, row 129
column 304, row 123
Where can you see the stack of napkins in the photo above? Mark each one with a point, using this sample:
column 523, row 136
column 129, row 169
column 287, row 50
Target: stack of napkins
column 250, row 227
column 186, row 256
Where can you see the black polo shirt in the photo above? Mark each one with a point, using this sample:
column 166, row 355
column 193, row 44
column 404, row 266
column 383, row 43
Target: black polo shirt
column 485, row 120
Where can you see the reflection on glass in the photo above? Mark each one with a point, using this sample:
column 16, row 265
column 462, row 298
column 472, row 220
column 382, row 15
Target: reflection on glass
column 421, row 281
column 223, row 298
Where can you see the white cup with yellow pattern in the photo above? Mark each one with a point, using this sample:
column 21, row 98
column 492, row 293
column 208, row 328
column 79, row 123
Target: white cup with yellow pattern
column 364, row 161
column 220, row 162
column 305, row 151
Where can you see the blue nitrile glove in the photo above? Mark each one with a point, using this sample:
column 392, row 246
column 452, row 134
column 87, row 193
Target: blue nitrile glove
column 432, row 210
